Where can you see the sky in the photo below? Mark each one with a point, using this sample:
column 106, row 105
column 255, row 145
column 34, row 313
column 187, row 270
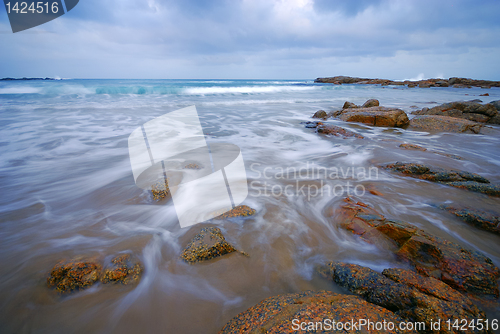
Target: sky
column 259, row 39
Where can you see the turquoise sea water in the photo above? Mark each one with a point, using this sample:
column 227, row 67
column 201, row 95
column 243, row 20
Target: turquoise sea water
column 68, row 190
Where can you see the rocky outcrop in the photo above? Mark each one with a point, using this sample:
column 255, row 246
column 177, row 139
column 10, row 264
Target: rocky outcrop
column 408, row 294
column 376, row 116
column 338, row 131
column 208, row 244
column 320, row 114
column 81, row 273
column 426, row 83
column 413, row 147
column 444, row 124
column 309, row 309
column 454, row 178
column 461, row 268
column 480, row 219
column 470, row 110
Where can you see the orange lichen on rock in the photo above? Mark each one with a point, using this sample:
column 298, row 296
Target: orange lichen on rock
column 238, row 211
column 122, row 270
column 76, row 274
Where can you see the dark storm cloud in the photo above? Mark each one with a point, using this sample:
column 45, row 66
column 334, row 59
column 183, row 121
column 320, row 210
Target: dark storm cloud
column 186, row 38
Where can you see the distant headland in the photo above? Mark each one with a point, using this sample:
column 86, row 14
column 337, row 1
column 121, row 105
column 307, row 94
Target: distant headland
column 15, row 79
column 426, row 83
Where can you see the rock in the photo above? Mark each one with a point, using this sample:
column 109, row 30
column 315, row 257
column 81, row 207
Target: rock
column 238, row 211
column 337, row 131
column 320, row 114
column 412, row 85
column 160, row 190
column 278, row 314
column 348, row 104
column 444, row 124
column 376, row 116
column 370, row 103
column 442, row 83
column 311, row 125
column 459, row 179
column 122, row 270
column 483, row 220
column 413, row 147
column 476, row 117
column 462, row 269
column 424, row 85
column 485, row 94
column 460, row 108
column 208, row 244
column 76, row 274
column 408, row 294
column 496, row 104
column 494, row 120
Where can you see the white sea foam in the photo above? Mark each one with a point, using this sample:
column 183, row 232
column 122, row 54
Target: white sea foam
column 245, row 90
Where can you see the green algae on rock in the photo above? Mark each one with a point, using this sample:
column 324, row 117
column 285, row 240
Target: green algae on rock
column 76, row 274
column 463, row 269
column 278, row 314
column 208, row 244
column 458, row 179
column 122, row 270
column 408, row 294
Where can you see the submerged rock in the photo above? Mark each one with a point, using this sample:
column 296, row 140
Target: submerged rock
column 413, row 147
column 463, row 269
column 76, row 274
column 408, row 294
column 238, row 211
column 278, row 314
column 160, row 190
column 208, row 244
column 480, row 219
column 376, row 116
column 328, row 129
column 444, row 124
column 458, row 179
column 122, row 270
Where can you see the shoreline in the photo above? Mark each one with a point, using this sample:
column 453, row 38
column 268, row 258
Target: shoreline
column 425, row 83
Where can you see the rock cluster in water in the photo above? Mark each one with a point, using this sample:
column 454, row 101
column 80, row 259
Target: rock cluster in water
column 79, row 273
column 426, row 83
column 409, row 295
column 458, row 179
column 463, row 269
column 470, row 110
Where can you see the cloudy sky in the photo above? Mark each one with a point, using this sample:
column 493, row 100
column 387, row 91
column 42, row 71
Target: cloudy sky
column 266, row 39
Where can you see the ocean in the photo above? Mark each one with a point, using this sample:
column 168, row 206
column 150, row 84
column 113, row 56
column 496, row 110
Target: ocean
column 68, row 190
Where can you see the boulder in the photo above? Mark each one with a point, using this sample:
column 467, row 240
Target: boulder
column 338, row 131
column 320, row 114
column 480, row 219
column 465, row 107
column 122, row 270
column 461, row 268
column 208, row 244
column 454, row 178
column 408, row 294
column 444, row 124
column 75, row 274
column 371, row 103
column 348, row 104
column 278, row 314
column 496, row 104
column 376, row 116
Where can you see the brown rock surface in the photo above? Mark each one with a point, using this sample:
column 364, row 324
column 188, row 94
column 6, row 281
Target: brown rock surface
column 443, row 124
column 463, row 269
column 328, row 129
column 276, row 314
column 480, row 219
column 238, row 211
column 208, row 244
column 320, row 114
column 454, row 178
column 471, row 110
column 376, row 116
column 371, row 103
column 413, row 147
column 408, row 294
column 455, row 82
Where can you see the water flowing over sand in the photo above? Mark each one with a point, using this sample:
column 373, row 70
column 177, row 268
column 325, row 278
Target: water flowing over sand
column 67, row 189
